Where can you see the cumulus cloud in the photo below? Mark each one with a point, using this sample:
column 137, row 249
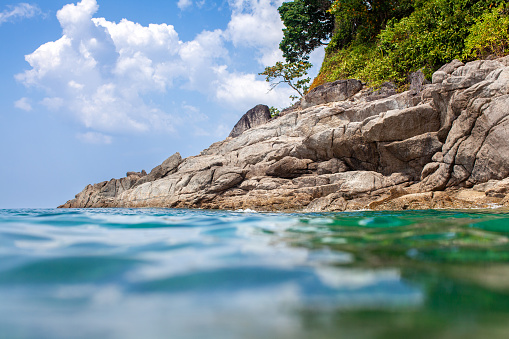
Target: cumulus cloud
column 24, row 104
column 19, row 11
column 256, row 23
column 244, row 89
column 106, row 74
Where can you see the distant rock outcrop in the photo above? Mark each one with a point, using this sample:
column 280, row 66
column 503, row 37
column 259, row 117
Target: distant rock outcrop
column 344, row 147
column 256, row 116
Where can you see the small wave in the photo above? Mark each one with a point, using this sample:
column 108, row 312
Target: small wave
column 247, row 210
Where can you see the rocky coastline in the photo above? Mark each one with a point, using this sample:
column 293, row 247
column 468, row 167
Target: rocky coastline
column 346, row 147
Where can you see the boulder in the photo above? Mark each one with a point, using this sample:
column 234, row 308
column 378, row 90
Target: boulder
column 330, row 92
column 397, row 125
column 421, row 147
column 256, row 116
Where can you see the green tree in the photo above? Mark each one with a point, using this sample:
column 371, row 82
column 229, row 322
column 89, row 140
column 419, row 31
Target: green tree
column 308, row 24
column 289, row 73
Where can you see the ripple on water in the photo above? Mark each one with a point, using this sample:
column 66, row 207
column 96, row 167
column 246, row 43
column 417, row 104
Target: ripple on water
column 131, row 273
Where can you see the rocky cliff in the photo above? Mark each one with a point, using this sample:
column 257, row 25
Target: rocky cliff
column 345, row 147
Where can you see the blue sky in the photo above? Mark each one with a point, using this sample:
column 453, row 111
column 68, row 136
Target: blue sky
column 96, row 88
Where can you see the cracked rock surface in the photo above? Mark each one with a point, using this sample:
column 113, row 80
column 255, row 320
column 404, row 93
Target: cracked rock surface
column 444, row 145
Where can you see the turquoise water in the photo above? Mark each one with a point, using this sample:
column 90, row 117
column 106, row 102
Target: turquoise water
column 162, row 273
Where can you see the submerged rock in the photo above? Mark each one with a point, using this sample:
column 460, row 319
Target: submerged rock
column 439, row 145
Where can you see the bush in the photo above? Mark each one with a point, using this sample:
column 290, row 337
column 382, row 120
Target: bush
column 489, row 35
column 435, row 33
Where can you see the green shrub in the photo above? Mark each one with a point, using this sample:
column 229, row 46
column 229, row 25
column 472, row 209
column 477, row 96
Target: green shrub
column 489, row 35
column 436, row 32
column 274, row 111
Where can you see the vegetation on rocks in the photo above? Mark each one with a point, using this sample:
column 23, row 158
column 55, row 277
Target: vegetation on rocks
column 379, row 41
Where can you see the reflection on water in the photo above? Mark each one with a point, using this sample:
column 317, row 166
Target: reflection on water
column 157, row 273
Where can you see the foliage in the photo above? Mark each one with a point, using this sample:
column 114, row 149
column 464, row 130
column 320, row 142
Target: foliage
column 436, row 32
column 274, row 112
column 308, row 25
column 489, row 35
column 362, row 20
column 289, row 73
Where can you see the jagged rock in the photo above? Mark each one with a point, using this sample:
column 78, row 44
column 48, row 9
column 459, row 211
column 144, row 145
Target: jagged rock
column 256, row 116
column 445, row 148
column 167, row 167
column 451, row 66
column 140, row 174
column 332, row 91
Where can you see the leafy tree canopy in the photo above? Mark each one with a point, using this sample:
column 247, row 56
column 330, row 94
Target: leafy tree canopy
column 308, row 24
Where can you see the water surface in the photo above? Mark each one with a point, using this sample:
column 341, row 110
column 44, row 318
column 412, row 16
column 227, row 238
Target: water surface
column 166, row 273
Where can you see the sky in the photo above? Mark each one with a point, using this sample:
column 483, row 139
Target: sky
column 93, row 89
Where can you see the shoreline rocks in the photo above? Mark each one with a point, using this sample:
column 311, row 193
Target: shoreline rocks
column 442, row 145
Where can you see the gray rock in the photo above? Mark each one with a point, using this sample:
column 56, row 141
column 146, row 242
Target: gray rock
column 439, row 77
column 385, row 90
column 357, row 151
column 169, row 166
column 451, row 66
column 289, row 167
column 330, row 92
column 256, row 116
column 331, row 166
column 423, row 146
column 399, row 125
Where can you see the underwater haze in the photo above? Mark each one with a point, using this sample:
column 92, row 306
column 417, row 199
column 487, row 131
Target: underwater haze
column 169, row 273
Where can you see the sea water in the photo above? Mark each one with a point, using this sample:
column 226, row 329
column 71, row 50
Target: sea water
column 169, row 273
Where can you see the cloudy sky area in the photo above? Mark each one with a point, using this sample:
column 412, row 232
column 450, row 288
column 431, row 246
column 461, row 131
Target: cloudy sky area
column 93, row 89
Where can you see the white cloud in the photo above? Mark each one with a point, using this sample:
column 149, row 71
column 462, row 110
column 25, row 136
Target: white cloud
column 24, row 104
column 94, row 138
column 256, row 23
column 71, row 15
column 244, row 90
column 183, row 4
column 107, row 74
column 19, row 11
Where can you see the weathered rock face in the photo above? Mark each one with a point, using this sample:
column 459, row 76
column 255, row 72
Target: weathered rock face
column 330, row 92
column 439, row 145
column 256, row 116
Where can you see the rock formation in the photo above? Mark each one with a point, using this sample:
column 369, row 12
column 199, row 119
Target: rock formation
column 256, row 116
column 345, row 147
